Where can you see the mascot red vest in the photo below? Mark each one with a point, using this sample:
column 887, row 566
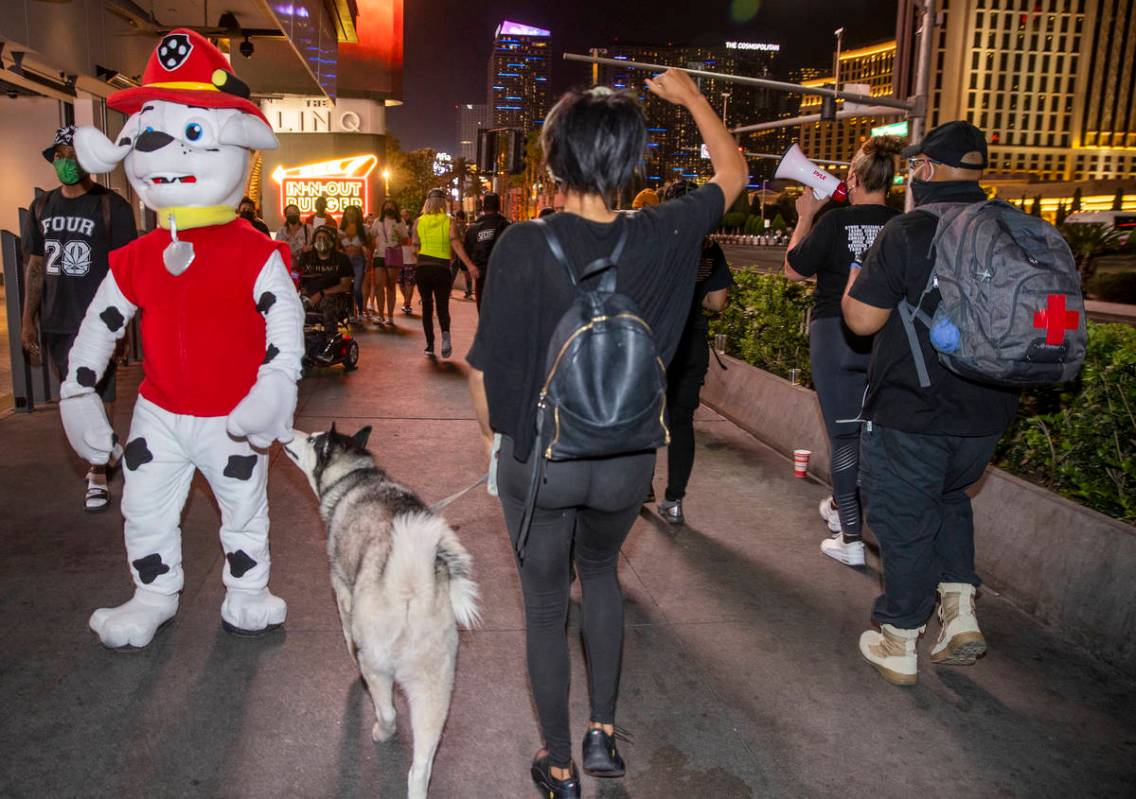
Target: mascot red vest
column 222, row 336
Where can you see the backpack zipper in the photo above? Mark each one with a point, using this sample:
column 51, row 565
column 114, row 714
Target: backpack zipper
column 541, row 403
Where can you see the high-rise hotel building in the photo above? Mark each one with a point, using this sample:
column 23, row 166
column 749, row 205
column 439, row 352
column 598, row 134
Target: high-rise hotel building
column 872, row 66
column 674, row 148
column 519, row 70
column 1052, row 83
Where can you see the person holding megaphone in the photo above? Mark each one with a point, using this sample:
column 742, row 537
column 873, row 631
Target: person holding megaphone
column 826, row 246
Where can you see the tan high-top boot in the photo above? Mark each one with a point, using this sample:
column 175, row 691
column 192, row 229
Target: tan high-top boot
column 960, row 641
column 892, row 652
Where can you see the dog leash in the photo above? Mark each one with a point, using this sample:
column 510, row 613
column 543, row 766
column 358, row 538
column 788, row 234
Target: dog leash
column 437, row 506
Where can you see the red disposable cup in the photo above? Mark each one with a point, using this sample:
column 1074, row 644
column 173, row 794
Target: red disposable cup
column 801, row 462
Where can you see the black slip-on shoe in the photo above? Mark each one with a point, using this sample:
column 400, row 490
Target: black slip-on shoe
column 601, row 757
column 549, row 786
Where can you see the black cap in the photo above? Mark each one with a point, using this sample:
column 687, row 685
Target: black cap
column 956, row 143
column 491, row 201
column 64, row 136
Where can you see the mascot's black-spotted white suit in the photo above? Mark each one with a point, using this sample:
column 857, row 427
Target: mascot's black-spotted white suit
column 222, row 337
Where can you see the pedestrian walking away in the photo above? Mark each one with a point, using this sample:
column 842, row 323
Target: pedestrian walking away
column 825, row 245
column 588, row 503
column 71, row 232
column 922, row 447
column 387, row 234
column 435, row 236
column 481, row 237
column 687, row 370
column 456, row 264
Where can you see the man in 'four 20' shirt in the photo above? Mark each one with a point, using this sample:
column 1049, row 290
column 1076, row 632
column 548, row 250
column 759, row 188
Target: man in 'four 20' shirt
column 71, row 231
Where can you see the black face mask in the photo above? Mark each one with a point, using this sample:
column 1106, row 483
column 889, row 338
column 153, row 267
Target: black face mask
column 293, row 219
column 919, row 189
column 249, row 215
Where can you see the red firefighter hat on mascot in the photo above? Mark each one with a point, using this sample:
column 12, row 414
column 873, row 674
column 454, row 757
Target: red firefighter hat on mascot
column 186, row 68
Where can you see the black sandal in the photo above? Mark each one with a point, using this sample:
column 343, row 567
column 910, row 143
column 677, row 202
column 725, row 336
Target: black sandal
column 549, row 786
column 99, row 495
column 601, row 757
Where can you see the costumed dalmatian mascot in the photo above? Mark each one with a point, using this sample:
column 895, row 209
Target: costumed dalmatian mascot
column 222, row 335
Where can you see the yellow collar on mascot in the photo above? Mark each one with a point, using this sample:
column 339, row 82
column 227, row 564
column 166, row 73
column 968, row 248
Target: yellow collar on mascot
column 189, row 217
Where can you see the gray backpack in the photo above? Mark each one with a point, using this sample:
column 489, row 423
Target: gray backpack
column 1011, row 313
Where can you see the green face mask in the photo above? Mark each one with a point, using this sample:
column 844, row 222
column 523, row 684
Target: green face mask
column 68, row 171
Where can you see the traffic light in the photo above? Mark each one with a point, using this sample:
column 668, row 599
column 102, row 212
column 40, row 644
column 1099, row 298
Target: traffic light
column 515, row 151
column 487, row 151
column 828, row 106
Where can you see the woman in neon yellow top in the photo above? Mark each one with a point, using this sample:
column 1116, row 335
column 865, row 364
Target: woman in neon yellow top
column 435, row 237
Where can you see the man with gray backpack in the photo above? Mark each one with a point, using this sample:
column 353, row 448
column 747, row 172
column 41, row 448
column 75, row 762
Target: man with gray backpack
column 970, row 300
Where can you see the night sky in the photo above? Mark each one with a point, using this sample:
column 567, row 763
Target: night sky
column 448, row 42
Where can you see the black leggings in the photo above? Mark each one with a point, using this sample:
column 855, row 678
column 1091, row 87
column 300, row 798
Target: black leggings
column 593, row 503
column 434, row 282
column 840, row 373
column 685, row 376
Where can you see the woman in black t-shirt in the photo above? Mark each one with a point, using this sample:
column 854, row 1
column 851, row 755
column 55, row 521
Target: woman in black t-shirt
column 593, row 142
column 687, row 370
column 839, row 359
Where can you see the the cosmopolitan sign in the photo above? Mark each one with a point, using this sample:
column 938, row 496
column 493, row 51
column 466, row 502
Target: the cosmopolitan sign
column 765, row 46
column 343, row 181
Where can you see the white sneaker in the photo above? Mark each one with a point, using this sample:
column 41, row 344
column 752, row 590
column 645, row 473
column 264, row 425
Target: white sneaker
column 850, row 554
column 447, row 346
column 830, row 514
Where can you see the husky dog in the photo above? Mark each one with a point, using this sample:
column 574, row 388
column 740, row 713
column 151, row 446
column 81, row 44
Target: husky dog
column 402, row 581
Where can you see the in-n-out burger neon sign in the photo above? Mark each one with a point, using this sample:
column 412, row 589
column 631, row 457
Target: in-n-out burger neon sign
column 342, row 180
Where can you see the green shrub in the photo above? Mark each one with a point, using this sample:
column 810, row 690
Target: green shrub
column 1113, row 287
column 764, row 323
column 733, row 220
column 1079, row 439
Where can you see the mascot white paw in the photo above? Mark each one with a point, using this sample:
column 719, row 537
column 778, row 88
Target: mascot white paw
column 133, row 624
column 88, row 431
column 252, row 612
column 265, row 415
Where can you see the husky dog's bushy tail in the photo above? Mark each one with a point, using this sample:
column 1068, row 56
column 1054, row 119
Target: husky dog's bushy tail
column 426, row 557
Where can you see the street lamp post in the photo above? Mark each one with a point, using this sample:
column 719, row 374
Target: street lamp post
column 386, row 183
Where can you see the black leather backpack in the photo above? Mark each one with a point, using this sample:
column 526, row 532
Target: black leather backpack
column 605, row 390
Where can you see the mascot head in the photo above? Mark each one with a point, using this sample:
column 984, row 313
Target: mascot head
column 190, row 129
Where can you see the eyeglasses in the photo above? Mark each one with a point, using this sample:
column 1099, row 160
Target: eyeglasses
column 915, row 163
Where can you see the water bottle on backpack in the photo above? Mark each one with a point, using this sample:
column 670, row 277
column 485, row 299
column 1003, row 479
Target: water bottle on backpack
column 1012, row 312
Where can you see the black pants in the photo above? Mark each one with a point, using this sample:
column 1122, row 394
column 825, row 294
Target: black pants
column 434, row 282
column 480, row 288
column 59, row 345
column 685, row 377
column 840, row 373
column 458, row 265
column 594, row 503
column 914, row 494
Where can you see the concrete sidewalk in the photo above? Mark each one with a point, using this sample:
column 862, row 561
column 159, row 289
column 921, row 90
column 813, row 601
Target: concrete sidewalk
column 741, row 676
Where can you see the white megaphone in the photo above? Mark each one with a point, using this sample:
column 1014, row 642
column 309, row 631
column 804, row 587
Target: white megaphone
column 795, row 165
